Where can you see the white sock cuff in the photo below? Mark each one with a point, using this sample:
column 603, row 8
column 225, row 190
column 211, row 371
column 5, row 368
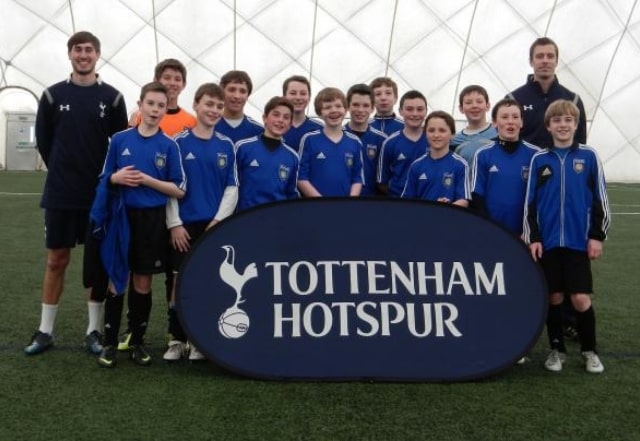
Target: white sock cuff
column 48, row 318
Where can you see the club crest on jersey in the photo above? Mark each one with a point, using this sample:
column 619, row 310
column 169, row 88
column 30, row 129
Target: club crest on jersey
column 578, row 165
column 102, row 107
column 348, row 159
column 160, row 160
column 283, row 172
column 524, row 172
column 222, row 160
column 447, row 179
column 372, row 151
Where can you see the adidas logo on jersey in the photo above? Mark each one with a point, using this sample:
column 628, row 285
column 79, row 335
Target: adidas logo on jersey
column 422, row 177
column 546, row 171
column 494, row 169
column 254, row 163
column 125, row 152
column 190, row 156
column 401, row 157
column 321, row 156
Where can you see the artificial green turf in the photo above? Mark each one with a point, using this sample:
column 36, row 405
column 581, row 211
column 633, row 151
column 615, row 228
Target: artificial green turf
column 64, row 395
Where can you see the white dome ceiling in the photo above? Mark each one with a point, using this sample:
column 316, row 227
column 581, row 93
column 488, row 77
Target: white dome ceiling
column 437, row 47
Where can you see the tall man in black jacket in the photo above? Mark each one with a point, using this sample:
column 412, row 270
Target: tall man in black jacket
column 75, row 119
column 541, row 89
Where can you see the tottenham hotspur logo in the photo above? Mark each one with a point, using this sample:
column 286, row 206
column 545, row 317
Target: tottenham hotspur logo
column 234, row 322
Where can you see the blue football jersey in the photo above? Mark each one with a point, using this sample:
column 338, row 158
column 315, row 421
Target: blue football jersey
column 265, row 175
column 431, row 179
column 209, row 167
column 332, row 168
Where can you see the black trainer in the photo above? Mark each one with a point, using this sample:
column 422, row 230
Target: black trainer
column 40, row 342
column 93, row 342
column 107, row 357
column 139, row 355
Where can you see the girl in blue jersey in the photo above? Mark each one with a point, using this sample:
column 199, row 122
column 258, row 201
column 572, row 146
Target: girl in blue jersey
column 208, row 159
column 501, row 168
column 267, row 169
column 144, row 166
column 566, row 219
column 439, row 175
column 330, row 159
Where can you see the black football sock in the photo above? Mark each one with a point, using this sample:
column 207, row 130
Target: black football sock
column 139, row 315
column 554, row 328
column 113, row 306
column 586, row 324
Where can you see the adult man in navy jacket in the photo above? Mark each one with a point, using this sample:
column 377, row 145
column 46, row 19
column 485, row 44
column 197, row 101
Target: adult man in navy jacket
column 541, row 89
column 75, row 119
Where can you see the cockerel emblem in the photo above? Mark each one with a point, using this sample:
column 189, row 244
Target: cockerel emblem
column 234, row 322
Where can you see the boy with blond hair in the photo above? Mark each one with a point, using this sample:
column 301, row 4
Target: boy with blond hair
column 566, row 219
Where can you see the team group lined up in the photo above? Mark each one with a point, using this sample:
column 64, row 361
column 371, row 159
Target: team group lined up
column 171, row 176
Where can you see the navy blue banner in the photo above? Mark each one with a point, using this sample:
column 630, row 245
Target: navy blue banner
column 385, row 289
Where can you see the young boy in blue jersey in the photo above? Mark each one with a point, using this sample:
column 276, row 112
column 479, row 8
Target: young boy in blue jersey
column 208, row 160
column 439, row 175
column 297, row 89
column 360, row 106
column 566, row 219
column 172, row 74
column 403, row 147
column 266, row 168
column 385, row 96
column 75, row 119
column 501, row 169
column 331, row 159
column 144, row 166
column 235, row 124
column 474, row 104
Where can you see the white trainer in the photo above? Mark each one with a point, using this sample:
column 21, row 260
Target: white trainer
column 592, row 362
column 194, row 353
column 175, row 351
column 554, row 361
